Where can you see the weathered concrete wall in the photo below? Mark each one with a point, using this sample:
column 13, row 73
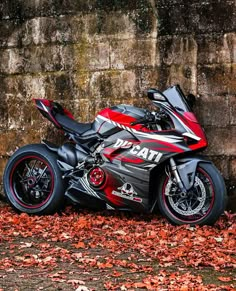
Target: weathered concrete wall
column 91, row 54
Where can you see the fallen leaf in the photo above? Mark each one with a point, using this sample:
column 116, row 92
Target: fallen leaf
column 79, row 245
column 225, row 279
column 121, row 232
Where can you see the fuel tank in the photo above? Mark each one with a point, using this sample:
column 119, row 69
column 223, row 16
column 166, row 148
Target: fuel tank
column 111, row 120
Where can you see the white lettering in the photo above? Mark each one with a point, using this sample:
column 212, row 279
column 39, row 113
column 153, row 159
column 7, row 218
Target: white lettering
column 135, row 150
column 124, row 144
column 146, row 153
column 127, row 144
column 158, row 157
column 152, row 154
column 143, row 153
column 118, row 143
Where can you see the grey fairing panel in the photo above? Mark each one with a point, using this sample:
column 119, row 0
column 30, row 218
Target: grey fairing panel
column 187, row 169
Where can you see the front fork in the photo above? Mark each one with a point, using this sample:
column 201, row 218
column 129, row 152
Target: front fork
column 184, row 171
column 175, row 172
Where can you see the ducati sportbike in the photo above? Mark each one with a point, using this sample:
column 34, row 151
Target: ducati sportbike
column 127, row 159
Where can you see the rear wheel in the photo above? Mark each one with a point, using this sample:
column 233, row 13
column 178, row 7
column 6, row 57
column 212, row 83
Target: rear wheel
column 203, row 203
column 32, row 181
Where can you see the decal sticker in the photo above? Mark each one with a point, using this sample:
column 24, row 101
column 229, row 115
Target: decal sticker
column 124, row 144
column 146, row 153
column 141, row 152
column 127, row 191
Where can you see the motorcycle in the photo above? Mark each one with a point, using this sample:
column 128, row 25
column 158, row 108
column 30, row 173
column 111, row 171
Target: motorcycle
column 128, row 158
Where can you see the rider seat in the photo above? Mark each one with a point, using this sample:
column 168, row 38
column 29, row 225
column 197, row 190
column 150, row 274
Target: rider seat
column 72, row 125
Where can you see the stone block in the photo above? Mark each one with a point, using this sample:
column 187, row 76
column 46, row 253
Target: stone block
column 41, row 8
column 213, row 111
column 185, row 75
column 196, row 17
column 59, row 86
column 42, row 30
column 63, row 29
column 9, row 33
column 114, row 25
column 221, row 141
column 178, row 50
column 146, row 78
column 11, row 61
column 133, row 53
column 113, row 84
column 91, row 56
column 217, row 79
column 9, row 9
column 32, row 9
column 59, row 30
column 11, row 140
column 117, row 24
column 216, row 48
column 24, row 87
column 81, row 88
column 222, row 164
column 54, row 58
column 85, row 110
column 123, row 5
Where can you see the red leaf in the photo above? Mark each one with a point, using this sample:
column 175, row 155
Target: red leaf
column 225, row 279
column 139, row 285
column 79, row 245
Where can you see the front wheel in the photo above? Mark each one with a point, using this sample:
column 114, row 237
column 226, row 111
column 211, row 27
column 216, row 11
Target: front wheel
column 203, row 203
column 32, row 181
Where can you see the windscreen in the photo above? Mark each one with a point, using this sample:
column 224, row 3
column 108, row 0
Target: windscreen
column 177, row 99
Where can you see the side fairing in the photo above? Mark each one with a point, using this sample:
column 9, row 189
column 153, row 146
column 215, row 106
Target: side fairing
column 129, row 161
column 153, row 148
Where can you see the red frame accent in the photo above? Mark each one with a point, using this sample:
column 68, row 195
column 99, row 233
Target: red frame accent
column 96, row 177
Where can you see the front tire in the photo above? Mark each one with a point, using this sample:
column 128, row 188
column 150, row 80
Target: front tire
column 204, row 202
column 32, row 181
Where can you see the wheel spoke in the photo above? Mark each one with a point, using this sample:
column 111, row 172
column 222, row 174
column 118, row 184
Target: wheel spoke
column 38, row 179
column 195, row 204
column 28, row 167
column 32, row 182
column 34, row 164
column 22, row 179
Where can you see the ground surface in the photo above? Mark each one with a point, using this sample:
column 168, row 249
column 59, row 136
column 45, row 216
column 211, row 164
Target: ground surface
column 87, row 250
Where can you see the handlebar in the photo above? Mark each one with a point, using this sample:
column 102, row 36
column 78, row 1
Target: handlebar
column 150, row 117
column 139, row 121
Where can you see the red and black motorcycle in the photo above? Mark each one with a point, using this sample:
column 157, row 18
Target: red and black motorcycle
column 128, row 158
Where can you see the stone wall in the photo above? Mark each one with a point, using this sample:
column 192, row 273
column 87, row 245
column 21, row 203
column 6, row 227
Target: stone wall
column 95, row 53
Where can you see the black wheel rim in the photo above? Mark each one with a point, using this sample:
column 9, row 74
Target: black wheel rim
column 31, row 182
column 198, row 202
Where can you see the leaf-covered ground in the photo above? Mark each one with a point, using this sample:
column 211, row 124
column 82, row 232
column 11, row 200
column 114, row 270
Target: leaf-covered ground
column 86, row 250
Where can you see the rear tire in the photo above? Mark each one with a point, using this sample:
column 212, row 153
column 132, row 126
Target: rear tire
column 204, row 202
column 32, row 181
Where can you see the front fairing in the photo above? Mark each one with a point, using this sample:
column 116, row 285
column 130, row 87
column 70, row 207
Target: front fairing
column 183, row 119
column 176, row 98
